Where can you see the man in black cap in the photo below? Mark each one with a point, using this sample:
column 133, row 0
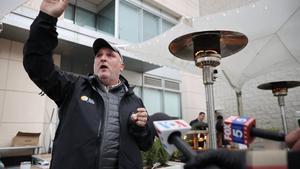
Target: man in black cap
column 102, row 123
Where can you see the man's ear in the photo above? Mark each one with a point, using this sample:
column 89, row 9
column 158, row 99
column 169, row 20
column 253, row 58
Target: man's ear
column 122, row 67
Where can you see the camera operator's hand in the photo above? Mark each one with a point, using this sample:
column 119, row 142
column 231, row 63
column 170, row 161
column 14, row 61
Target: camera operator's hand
column 224, row 159
column 292, row 139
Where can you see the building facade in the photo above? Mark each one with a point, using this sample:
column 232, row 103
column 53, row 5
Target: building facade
column 23, row 107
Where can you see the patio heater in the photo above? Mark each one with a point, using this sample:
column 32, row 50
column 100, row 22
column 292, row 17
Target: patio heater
column 206, row 49
column 279, row 90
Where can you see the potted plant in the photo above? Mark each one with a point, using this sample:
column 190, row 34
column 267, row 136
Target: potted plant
column 155, row 156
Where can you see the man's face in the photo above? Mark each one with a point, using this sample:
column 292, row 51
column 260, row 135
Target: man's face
column 201, row 117
column 108, row 66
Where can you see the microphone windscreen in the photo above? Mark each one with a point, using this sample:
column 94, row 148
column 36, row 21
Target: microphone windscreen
column 161, row 116
column 158, row 117
column 237, row 129
column 166, row 129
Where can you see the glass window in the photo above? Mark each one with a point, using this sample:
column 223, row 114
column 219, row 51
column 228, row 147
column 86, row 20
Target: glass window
column 134, row 25
column 138, row 91
column 77, row 63
column 172, row 103
column 129, row 22
column 166, row 25
column 152, row 100
column 150, row 25
column 85, row 18
column 106, row 19
column 69, row 12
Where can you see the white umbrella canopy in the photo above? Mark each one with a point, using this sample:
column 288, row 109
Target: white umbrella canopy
column 266, row 25
column 273, row 41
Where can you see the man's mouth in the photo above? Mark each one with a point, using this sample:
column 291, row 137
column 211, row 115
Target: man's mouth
column 103, row 67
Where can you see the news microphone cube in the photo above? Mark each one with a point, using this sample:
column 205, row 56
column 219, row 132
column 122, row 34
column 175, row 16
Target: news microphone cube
column 238, row 129
column 166, row 127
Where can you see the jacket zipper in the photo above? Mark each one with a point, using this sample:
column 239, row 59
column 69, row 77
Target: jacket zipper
column 100, row 128
column 120, row 124
column 106, row 109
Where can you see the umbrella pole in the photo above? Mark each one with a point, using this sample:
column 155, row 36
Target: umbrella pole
column 239, row 102
column 238, row 94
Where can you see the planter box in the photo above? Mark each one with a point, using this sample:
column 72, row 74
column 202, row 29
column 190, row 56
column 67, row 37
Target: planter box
column 173, row 165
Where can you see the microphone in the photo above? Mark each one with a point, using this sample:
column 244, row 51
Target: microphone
column 159, row 116
column 236, row 159
column 169, row 131
column 242, row 130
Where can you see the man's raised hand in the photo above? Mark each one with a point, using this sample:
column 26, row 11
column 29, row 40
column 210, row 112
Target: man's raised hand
column 54, row 7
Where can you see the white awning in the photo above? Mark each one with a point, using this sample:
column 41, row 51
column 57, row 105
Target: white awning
column 272, row 28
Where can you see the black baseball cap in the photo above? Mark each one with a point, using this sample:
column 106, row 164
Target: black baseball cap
column 101, row 43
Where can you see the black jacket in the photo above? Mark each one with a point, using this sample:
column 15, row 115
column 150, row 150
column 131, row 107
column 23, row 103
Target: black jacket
column 78, row 136
column 198, row 125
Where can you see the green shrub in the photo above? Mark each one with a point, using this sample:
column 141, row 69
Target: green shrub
column 155, row 154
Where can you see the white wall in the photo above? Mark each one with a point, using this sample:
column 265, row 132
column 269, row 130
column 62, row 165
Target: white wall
column 133, row 78
column 166, row 72
column 193, row 96
column 21, row 108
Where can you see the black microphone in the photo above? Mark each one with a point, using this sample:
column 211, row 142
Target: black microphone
column 276, row 136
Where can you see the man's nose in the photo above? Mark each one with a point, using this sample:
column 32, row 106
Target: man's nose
column 103, row 57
